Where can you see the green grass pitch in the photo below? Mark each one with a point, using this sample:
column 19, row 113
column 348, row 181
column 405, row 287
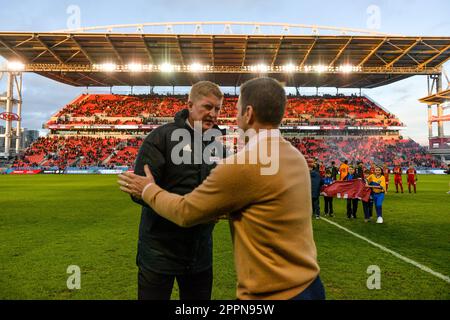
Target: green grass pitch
column 50, row 222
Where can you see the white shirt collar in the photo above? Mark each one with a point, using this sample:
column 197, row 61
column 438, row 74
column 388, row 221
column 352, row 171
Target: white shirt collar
column 189, row 124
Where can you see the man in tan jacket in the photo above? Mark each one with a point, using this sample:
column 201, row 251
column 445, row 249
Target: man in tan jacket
column 269, row 203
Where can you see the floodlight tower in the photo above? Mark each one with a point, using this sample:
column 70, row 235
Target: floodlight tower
column 13, row 98
column 439, row 144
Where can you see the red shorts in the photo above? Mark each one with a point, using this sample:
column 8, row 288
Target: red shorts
column 411, row 181
column 398, row 179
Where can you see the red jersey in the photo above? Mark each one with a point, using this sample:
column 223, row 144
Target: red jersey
column 411, row 174
column 398, row 172
column 322, row 170
column 386, row 173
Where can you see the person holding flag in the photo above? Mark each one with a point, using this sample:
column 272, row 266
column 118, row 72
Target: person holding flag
column 367, row 205
column 378, row 184
column 352, row 204
column 328, row 180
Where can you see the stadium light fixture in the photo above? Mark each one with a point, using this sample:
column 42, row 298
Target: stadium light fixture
column 135, row 67
column 262, row 68
column 166, row 67
column 196, row 67
column 15, row 66
column 320, row 68
column 107, row 67
column 347, row 68
column 289, row 68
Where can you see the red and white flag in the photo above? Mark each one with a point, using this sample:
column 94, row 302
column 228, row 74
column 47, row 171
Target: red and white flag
column 353, row 189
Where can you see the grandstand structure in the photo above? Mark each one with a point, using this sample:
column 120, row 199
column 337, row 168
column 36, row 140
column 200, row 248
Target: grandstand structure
column 440, row 143
column 98, row 130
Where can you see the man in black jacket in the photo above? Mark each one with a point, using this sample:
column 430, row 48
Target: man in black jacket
column 165, row 250
column 359, row 170
column 334, row 170
column 316, row 185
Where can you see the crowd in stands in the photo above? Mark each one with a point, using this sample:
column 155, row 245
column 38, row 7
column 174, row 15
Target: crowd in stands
column 393, row 152
column 147, row 109
column 88, row 151
column 126, row 153
column 62, row 152
column 110, row 148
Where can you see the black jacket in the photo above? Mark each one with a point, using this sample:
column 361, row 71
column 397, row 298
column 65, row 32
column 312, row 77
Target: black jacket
column 334, row 172
column 316, row 183
column 163, row 246
column 359, row 172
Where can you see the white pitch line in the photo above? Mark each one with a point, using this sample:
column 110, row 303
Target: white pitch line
column 398, row 255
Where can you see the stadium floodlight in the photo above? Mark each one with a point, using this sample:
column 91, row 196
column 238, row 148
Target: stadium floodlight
column 135, row 67
column 262, row 68
column 166, row 67
column 346, row 68
column 15, row 66
column 196, row 67
column 320, row 68
column 107, row 67
column 289, row 68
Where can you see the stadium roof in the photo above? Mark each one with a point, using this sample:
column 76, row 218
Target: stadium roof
column 437, row 98
column 143, row 59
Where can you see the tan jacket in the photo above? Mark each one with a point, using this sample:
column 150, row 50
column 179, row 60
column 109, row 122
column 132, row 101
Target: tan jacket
column 274, row 250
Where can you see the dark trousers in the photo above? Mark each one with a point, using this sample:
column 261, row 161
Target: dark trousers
column 367, row 208
column 316, row 206
column 328, row 205
column 155, row 286
column 352, row 207
column 315, row 291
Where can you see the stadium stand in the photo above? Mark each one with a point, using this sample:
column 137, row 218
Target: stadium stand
column 106, row 130
column 308, row 110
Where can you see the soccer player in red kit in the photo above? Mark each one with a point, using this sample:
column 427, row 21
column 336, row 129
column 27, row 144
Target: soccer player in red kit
column 398, row 178
column 386, row 173
column 412, row 178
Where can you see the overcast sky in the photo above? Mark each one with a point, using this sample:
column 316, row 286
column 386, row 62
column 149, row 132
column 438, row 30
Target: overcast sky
column 43, row 97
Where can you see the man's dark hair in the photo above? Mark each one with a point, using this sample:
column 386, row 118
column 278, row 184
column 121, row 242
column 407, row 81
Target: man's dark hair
column 333, row 163
column 267, row 97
